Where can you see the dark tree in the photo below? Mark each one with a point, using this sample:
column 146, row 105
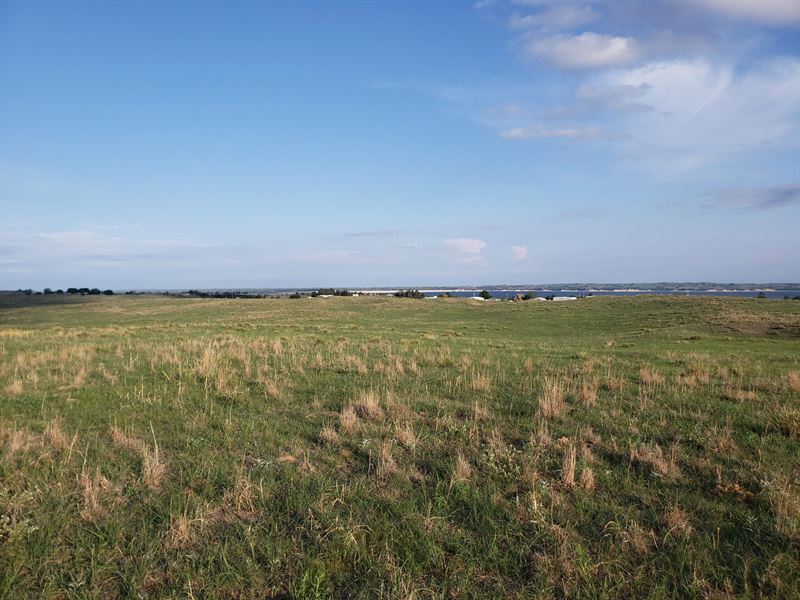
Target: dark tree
column 416, row 294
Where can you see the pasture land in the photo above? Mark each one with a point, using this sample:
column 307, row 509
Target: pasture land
column 388, row 448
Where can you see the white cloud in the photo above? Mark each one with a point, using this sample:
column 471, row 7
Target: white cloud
column 472, row 260
column 519, row 252
column 557, row 17
column 465, row 245
column 584, row 51
column 762, row 12
column 541, row 132
column 700, row 111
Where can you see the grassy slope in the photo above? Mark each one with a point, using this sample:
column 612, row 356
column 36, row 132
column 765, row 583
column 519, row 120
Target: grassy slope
column 378, row 447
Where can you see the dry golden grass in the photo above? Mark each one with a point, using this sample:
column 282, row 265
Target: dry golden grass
column 541, row 436
column 329, row 436
column 653, row 457
column 238, row 502
column 568, row 465
column 786, row 419
column 93, row 490
column 14, row 388
column 276, row 347
column 640, row 540
column 686, row 380
column 271, row 389
column 19, row 440
column 613, row 383
column 386, row 465
column 16, row 333
column 405, row 435
column 54, row 435
column 462, row 470
column 153, row 467
column 587, row 456
column 181, row 533
column 721, row 439
column 650, row 376
column 739, row 395
column 588, row 392
column 480, row 382
column 241, row 498
column 784, row 497
column 677, row 521
column 351, row 363
column 348, row 419
column 793, row 380
column 552, row 401
column 497, row 444
column 479, row 412
column 122, row 440
column 80, row 377
column 586, row 480
column 367, row 406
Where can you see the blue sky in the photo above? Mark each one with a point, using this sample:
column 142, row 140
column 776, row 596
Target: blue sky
column 255, row 144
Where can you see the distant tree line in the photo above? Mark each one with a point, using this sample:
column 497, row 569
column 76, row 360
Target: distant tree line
column 82, row 291
column 226, row 294
column 86, row 291
column 416, row 294
column 331, row 292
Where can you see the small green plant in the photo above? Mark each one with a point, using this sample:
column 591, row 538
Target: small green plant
column 312, row 585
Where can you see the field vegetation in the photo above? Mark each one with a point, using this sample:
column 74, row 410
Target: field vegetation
column 395, row 448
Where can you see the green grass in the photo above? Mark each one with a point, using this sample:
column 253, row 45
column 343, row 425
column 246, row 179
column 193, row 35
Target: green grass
column 379, row 447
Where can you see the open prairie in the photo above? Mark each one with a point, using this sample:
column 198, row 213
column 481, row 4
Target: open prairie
column 379, row 447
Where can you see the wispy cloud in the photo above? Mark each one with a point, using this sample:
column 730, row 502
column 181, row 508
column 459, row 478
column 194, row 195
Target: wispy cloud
column 656, row 76
column 91, row 248
column 465, row 245
column 586, row 50
column 569, row 133
column 753, row 198
column 592, row 212
column 700, row 111
column 378, row 233
column 556, row 17
column 763, row 12
column 328, row 257
column 519, row 252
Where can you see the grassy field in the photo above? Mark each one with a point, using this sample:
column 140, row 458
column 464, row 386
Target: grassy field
column 386, row 448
